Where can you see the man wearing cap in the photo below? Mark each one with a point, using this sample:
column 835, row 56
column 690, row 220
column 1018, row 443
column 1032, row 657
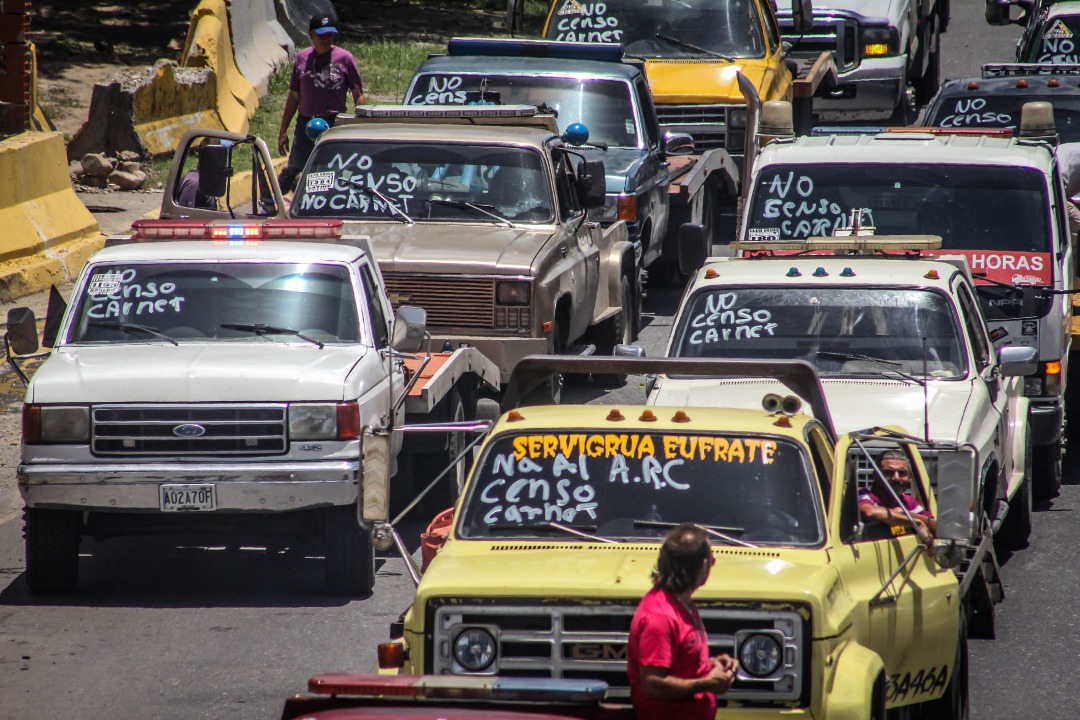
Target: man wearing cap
column 321, row 75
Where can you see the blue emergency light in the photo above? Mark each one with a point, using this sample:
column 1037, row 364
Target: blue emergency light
column 600, row 52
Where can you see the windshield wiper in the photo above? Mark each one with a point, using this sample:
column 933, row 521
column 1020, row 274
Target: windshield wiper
column 575, row 530
column 690, row 46
column 358, row 183
column 870, row 358
column 132, row 328
column 714, row 530
column 261, row 329
column 472, row 206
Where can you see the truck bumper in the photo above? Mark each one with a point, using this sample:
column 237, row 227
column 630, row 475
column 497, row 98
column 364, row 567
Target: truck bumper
column 1046, row 418
column 873, row 89
column 503, row 351
column 253, row 487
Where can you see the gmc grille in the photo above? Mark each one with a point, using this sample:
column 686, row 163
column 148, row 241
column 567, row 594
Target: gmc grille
column 837, row 35
column 450, row 301
column 578, row 640
column 211, row 430
column 707, row 124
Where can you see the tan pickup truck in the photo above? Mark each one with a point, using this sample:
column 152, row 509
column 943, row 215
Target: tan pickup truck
column 478, row 215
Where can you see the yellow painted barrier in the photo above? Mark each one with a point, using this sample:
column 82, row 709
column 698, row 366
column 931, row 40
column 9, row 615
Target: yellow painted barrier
column 47, row 232
column 209, row 44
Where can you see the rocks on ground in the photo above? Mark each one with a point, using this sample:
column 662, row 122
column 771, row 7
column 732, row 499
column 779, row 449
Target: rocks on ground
column 97, row 170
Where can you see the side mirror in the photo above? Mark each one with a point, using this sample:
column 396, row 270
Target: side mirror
column 634, row 351
column 409, row 329
column 694, row 247
column 214, row 170
column 1017, row 360
column 956, row 484
column 592, row 182
column 999, row 12
column 22, row 335
column 802, row 16
column 678, row 144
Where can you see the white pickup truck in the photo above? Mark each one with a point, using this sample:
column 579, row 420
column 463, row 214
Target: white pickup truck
column 897, row 341
column 229, row 376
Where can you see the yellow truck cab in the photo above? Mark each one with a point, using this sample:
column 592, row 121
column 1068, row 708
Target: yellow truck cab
column 693, row 54
column 561, row 520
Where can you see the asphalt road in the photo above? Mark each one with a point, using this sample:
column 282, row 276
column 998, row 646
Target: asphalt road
column 165, row 630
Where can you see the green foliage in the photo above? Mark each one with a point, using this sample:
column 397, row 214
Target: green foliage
column 388, row 65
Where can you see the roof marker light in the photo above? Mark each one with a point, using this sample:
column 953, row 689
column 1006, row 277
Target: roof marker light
column 680, row 416
column 794, row 272
column 783, row 421
column 647, row 416
column 847, row 272
column 615, row 415
column 1021, row 83
column 1052, row 82
column 711, row 274
column 514, row 416
column 820, row 272
column 932, row 275
column 973, row 85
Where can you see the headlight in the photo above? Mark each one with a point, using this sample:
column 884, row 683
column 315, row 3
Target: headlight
column 878, row 42
column 56, row 424
column 737, row 119
column 513, row 292
column 609, row 212
column 760, row 655
column 474, row 649
column 324, row 421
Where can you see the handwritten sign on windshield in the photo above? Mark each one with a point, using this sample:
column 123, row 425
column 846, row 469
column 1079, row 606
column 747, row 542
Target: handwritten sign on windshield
column 792, row 204
column 586, row 22
column 721, row 320
column 118, row 294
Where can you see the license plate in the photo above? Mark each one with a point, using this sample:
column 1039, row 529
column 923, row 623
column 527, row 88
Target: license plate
column 188, row 498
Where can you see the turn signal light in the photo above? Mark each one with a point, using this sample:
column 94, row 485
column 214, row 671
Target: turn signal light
column 348, row 421
column 875, row 49
column 391, row 655
column 628, row 207
column 1053, row 367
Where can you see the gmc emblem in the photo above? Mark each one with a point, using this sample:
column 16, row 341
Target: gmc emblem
column 598, row 651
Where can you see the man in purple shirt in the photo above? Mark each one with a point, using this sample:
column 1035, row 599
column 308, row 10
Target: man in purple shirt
column 321, row 76
column 879, row 503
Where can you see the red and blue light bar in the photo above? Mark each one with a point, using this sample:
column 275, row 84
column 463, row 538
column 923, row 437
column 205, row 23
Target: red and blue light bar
column 233, row 232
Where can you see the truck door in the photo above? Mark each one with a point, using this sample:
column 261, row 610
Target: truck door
column 375, row 402
column 581, row 250
column 908, row 607
column 657, row 168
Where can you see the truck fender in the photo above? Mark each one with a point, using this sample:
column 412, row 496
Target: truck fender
column 618, row 249
column 1018, row 428
column 856, row 686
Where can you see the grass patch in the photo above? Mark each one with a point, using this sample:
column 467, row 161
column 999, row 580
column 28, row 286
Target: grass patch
column 387, row 66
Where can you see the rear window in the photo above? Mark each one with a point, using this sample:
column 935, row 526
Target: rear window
column 1003, row 111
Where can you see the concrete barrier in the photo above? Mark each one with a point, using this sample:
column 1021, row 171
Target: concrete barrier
column 48, row 233
column 294, row 16
column 260, row 43
column 209, row 45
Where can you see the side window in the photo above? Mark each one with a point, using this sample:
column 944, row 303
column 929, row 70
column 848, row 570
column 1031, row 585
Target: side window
column 772, row 29
column 377, row 313
column 861, row 479
column 648, row 110
column 975, row 327
column 569, row 207
column 821, row 451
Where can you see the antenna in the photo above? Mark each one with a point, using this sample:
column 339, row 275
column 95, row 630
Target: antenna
column 925, row 394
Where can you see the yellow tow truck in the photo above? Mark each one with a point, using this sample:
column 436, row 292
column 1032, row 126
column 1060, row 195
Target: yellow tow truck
column 561, row 520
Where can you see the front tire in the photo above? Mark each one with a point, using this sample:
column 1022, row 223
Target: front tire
column 350, row 557
column 1047, row 471
column 52, row 550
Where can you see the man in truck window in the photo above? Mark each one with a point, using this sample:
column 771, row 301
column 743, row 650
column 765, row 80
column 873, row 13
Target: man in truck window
column 671, row 673
column 879, row 505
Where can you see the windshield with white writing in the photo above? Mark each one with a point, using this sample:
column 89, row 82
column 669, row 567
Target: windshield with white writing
column 438, row 182
column 604, row 106
column 191, row 301
column 664, row 28
column 629, row 485
column 977, row 207
column 841, row 331
column 1057, row 43
column 1003, row 111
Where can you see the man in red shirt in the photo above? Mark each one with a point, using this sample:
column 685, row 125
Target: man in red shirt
column 671, row 673
column 879, row 503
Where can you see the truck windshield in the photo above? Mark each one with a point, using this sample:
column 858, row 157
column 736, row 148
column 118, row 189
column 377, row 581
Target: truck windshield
column 604, row 106
column 634, row 485
column 1003, row 111
column 1056, row 42
column 693, row 28
column 191, row 301
column 1002, row 209
column 842, row 331
column 428, row 181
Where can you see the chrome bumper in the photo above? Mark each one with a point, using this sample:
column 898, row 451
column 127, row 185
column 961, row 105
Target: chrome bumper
column 265, row 487
column 877, row 85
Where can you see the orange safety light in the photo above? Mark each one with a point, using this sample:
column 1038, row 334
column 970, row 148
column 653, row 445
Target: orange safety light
column 391, row 655
column 1021, row 83
column 680, row 416
column 615, row 415
column 973, row 85
column 627, row 207
column 1053, row 367
column 711, row 274
column 1052, row 82
column 932, row 275
column 647, row 416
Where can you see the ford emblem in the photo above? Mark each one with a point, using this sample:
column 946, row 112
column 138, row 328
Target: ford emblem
column 189, row 431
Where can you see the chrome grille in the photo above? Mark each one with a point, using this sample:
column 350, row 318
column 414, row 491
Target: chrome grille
column 707, row 124
column 226, row 429
column 571, row 640
column 837, row 35
column 450, row 301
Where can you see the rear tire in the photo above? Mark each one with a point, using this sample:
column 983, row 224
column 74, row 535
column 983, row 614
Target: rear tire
column 1047, row 471
column 52, row 550
column 446, row 493
column 1017, row 528
column 350, row 557
column 928, row 84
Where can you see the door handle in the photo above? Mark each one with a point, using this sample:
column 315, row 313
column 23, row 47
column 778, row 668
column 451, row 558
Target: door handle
column 564, row 250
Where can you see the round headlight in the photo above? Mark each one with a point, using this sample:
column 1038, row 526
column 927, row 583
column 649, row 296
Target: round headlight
column 474, row 649
column 760, row 655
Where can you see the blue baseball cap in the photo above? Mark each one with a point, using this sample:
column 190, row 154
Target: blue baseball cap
column 321, row 25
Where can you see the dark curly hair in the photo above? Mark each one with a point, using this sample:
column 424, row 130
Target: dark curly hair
column 684, row 550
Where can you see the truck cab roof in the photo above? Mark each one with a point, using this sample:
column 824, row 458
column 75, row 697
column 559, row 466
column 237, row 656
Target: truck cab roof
column 523, row 65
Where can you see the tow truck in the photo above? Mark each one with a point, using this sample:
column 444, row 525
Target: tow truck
column 995, row 199
column 655, row 181
column 565, row 509
column 233, row 377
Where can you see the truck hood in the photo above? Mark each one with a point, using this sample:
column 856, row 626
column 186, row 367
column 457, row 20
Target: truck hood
column 703, row 81
column 220, row 372
column 893, row 402
column 465, row 568
column 423, row 247
column 619, row 165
